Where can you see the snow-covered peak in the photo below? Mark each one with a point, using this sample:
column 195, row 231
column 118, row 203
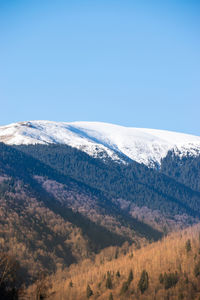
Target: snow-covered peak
column 98, row 139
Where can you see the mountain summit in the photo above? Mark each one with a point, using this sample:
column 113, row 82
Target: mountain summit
column 147, row 146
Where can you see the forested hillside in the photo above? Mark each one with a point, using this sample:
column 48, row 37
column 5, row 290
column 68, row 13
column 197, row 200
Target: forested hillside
column 134, row 187
column 60, row 206
column 168, row 269
column 49, row 220
column 184, row 169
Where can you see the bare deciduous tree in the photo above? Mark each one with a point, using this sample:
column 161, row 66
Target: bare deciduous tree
column 8, row 276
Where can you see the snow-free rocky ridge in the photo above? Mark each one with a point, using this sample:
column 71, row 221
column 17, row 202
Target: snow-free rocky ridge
column 103, row 140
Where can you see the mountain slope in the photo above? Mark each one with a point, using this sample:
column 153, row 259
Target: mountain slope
column 64, row 195
column 104, row 140
column 173, row 272
column 49, row 220
column 138, row 190
column 183, row 169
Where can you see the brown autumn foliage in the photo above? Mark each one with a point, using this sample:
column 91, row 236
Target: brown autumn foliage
column 9, row 277
column 28, row 230
column 40, row 238
column 171, row 268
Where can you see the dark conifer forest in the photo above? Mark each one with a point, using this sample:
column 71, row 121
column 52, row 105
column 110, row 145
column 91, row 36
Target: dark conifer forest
column 60, row 207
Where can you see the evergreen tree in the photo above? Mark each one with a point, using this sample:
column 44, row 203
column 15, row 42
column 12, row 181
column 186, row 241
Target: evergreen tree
column 110, row 297
column 197, row 269
column 118, row 274
column 188, row 246
column 124, row 287
column 108, row 281
column 143, row 283
column 170, row 280
column 89, row 291
column 161, row 278
column 130, row 277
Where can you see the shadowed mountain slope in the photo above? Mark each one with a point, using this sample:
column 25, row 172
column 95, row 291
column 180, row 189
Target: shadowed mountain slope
column 49, row 219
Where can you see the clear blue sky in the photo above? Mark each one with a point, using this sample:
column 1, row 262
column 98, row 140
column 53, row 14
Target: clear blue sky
column 134, row 63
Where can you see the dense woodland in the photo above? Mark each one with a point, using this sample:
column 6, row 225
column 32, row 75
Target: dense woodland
column 168, row 269
column 184, row 169
column 43, row 231
column 65, row 213
column 133, row 182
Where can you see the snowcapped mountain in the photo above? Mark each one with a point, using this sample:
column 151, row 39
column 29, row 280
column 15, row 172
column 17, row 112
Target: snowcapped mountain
column 103, row 140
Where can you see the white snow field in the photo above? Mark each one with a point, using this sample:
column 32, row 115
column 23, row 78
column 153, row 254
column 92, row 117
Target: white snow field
column 147, row 146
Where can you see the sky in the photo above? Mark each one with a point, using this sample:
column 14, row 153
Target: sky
column 132, row 63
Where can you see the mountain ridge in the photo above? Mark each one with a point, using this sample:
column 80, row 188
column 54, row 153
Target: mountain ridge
column 104, row 140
